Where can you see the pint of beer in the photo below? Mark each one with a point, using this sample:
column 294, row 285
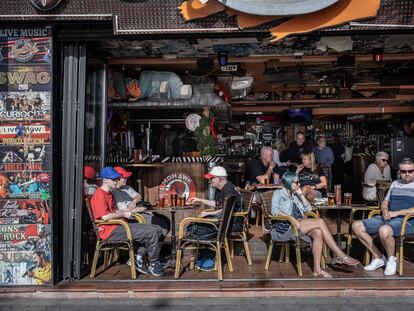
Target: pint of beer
column 348, row 199
column 338, row 194
column 331, row 199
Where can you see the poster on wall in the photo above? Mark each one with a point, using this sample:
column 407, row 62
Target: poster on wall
column 25, row 238
column 25, row 158
column 30, row 268
column 26, row 57
column 14, row 212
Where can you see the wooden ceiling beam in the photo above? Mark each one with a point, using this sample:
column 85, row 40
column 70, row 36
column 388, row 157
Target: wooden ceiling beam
column 328, row 110
column 304, row 102
column 255, row 59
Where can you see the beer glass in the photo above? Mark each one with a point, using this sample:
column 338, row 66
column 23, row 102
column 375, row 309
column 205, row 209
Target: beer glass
column 266, row 180
column 161, row 203
column 181, row 201
column 174, row 199
column 338, row 194
column 331, row 199
column 348, row 199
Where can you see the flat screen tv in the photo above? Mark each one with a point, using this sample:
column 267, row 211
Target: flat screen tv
column 303, row 115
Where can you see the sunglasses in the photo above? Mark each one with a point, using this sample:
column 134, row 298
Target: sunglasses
column 406, row 171
column 384, row 160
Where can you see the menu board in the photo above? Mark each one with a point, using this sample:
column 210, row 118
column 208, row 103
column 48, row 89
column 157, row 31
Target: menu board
column 25, row 156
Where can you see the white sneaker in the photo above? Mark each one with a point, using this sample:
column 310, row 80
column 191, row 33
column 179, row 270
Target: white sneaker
column 375, row 264
column 391, row 267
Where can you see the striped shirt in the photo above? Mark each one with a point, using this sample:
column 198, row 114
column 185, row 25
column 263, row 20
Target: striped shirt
column 400, row 196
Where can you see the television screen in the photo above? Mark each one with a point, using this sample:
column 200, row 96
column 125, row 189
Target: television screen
column 297, row 115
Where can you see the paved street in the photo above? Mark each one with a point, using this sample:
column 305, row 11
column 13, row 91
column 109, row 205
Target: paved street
column 213, row 304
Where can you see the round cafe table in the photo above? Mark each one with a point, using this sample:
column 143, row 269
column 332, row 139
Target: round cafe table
column 184, row 211
column 339, row 208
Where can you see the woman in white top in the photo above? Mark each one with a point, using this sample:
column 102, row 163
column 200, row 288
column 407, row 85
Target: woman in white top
column 380, row 170
column 278, row 147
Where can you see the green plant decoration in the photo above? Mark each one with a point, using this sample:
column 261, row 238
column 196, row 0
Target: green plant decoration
column 206, row 143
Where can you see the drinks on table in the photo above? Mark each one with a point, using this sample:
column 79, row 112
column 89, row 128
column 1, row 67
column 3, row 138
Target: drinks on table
column 331, row 199
column 338, row 194
column 347, row 199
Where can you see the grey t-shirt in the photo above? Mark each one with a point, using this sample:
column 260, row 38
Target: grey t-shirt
column 124, row 196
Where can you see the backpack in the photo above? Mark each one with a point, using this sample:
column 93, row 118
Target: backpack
column 198, row 231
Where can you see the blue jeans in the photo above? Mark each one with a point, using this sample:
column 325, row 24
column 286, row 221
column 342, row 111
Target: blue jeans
column 372, row 225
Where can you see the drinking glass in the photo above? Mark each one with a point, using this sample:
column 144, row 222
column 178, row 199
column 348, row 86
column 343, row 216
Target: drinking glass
column 348, row 199
column 338, row 194
column 161, row 203
column 331, row 199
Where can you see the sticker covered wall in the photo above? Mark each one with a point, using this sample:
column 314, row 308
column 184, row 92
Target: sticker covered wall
column 25, row 156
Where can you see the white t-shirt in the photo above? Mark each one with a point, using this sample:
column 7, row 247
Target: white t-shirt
column 372, row 174
column 276, row 158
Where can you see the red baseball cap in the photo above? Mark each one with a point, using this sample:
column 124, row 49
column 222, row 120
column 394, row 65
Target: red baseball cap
column 123, row 172
column 89, row 172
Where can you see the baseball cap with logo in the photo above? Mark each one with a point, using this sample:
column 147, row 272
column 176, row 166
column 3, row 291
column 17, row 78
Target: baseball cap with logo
column 123, row 172
column 216, row 171
column 109, row 172
column 89, row 172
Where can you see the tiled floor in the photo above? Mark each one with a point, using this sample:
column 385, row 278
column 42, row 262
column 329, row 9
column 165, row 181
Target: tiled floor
column 280, row 280
column 256, row 273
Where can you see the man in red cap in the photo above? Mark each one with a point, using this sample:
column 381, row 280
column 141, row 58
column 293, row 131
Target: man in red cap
column 103, row 207
column 89, row 185
column 127, row 199
column 224, row 188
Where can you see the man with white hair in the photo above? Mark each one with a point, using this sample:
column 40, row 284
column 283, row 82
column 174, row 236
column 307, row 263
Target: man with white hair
column 380, row 170
column 263, row 168
column 398, row 203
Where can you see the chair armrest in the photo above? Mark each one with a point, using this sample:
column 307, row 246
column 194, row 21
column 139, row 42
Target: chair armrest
column 121, row 222
column 311, row 215
column 374, row 212
column 239, row 214
column 140, row 218
column 186, row 221
column 290, row 219
column 206, row 210
column 404, row 223
column 357, row 209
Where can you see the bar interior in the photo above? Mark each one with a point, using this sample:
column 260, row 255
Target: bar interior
column 170, row 110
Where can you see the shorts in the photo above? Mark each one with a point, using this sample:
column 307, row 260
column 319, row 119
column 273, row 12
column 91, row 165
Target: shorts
column 372, row 225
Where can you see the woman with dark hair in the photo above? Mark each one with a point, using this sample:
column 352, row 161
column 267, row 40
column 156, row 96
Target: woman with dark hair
column 312, row 178
column 291, row 201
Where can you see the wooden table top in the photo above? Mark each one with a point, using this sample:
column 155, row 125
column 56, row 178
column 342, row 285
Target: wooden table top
column 266, row 187
column 342, row 207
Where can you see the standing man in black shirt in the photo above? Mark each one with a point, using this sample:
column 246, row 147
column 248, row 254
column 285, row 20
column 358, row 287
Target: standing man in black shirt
column 224, row 188
column 295, row 149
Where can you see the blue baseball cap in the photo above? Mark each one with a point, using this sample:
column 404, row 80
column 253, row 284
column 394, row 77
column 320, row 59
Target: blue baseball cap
column 109, row 172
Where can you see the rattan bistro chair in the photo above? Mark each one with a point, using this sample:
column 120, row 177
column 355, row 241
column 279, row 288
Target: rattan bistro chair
column 243, row 235
column 266, row 198
column 215, row 244
column 399, row 241
column 109, row 246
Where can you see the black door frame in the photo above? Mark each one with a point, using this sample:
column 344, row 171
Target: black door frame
column 73, row 120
